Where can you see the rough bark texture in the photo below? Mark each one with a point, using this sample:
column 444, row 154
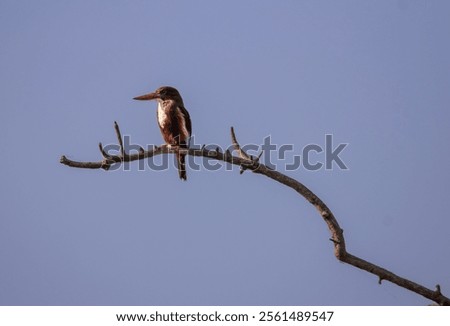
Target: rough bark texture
column 247, row 162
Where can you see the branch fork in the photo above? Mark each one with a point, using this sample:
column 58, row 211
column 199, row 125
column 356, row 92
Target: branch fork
column 248, row 162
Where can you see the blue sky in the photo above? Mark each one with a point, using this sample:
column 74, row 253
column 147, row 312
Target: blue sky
column 375, row 75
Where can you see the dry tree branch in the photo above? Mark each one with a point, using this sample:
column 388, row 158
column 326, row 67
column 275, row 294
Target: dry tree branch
column 248, row 162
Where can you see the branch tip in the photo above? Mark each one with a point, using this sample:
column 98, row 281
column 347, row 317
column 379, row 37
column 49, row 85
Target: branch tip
column 104, row 154
column 237, row 147
column 260, row 154
column 119, row 139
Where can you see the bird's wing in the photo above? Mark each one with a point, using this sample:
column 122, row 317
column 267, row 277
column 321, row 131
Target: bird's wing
column 187, row 118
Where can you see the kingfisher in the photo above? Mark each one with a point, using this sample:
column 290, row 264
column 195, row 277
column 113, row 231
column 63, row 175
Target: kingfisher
column 173, row 120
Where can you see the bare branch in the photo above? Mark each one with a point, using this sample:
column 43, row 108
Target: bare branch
column 260, row 154
column 237, row 147
column 246, row 162
column 84, row 165
column 119, row 139
column 104, row 154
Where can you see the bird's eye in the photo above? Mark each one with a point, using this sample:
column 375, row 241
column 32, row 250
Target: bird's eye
column 163, row 92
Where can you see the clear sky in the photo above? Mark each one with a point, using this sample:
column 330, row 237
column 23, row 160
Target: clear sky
column 375, row 75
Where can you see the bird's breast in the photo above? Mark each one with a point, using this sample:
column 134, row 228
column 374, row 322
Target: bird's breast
column 173, row 123
column 162, row 115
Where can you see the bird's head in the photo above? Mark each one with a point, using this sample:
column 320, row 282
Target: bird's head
column 163, row 93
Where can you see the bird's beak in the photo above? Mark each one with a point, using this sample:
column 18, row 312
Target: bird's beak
column 147, row 97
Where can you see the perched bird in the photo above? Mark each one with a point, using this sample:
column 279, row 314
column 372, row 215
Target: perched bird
column 174, row 121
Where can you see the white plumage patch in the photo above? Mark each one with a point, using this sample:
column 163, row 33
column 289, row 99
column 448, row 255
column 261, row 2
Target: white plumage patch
column 162, row 115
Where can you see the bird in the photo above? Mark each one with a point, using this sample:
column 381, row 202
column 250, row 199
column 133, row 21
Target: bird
column 173, row 120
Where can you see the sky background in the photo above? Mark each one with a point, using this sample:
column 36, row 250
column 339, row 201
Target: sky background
column 375, row 75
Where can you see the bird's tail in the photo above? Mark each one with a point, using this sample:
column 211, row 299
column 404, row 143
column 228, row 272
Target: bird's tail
column 181, row 159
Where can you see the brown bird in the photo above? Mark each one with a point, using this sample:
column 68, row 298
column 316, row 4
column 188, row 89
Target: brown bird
column 174, row 121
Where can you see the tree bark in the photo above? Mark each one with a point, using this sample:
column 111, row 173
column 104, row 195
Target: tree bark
column 247, row 162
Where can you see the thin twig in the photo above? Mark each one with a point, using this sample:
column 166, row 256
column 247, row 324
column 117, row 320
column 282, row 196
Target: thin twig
column 237, row 147
column 104, row 154
column 246, row 163
column 119, row 139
